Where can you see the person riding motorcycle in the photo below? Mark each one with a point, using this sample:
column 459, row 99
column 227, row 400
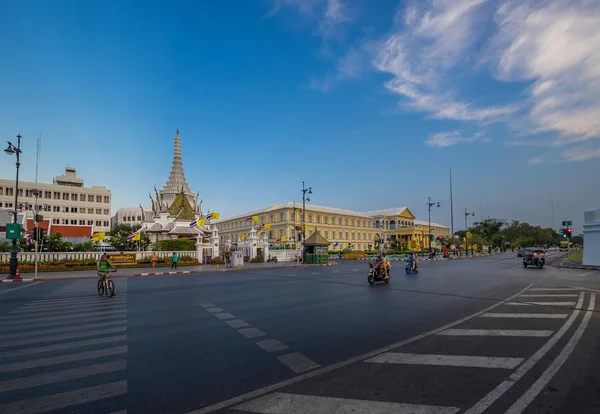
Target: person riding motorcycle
column 413, row 260
column 382, row 264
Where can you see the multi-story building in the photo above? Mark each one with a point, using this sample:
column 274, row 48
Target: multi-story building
column 343, row 228
column 130, row 215
column 65, row 202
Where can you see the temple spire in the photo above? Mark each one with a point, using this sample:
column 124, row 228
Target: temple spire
column 176, row 182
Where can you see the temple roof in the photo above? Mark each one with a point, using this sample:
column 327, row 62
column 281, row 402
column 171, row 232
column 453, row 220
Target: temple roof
column 176, row 181
column 181, row 207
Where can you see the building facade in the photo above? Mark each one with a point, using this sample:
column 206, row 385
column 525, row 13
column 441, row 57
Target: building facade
column 65, row 202
column 342, row 228
column 130, row 215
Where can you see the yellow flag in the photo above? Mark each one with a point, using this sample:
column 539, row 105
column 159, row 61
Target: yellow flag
column 283, row 239
column 267, row 226
column 201, row 222
column 137, row 237
column 215, row 215
column 255, row 219
column 98, row 236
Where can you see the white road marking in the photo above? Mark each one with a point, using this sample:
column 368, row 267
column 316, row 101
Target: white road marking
column 214, row 310
column 297, row 362
column 495, row 332
column 446, row 360
column 553, row 303
column 497, row 392
column 63, row 304
column 554, row 288
column 60, row 347
column 64, row 375
column 282, row 403
column 521, row 404
column 224, row 316
column 271, row 388
column 272, row 345
column 314, row 273
column 91, row 332
column 237, row 323
column 517, row 304
column 587, row 274
column 57, row 330
column 549, row 295
column 526, row 315
column 66, row 399
column 2, row 292
column 14, row 320
column 30, row 313
column 32, row 325
column 251, row 332
column 81, row 356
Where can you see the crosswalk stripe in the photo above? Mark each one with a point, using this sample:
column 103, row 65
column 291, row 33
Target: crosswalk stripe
column 32, row 325
column 60, row 347
column 43, row 362
column 70, row 302
column 526, row 315
column 91, row 332
column 65, row 399
column 553, row 288
column 283, row 403
column 99, row 307
column 64, row 375
column 517, row 304
column 446, row 360
column 549, row 295
column 61, row 329
column 553, row 303
column 15, row 320
column 495, row 332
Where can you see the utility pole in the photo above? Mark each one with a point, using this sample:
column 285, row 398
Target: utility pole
column 467, row 215
column 429, row 205
column 467, row 231
column 451, row 208
column 305, row 198
column 14, row 251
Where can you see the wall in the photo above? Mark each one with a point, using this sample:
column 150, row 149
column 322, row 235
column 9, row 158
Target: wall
column 30, row 256
column 284, row 255
column 591, row 238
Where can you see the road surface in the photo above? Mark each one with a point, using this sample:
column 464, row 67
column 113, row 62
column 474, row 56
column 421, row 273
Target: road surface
column 470, row 336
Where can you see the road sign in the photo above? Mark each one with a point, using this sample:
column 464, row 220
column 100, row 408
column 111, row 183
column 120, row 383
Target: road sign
column 567, row 223
column 39, row 218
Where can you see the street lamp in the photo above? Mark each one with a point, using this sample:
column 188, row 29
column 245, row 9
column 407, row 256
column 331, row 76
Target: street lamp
column 14, row 251
column 467, row 215
column 305, row 198
column 467, row 230
column 429, row 205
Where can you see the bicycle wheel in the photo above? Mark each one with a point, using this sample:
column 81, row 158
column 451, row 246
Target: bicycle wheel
column 100, row 287
column 110, row 288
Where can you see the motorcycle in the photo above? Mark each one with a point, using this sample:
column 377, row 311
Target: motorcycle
column 535, row 258
column 272, row 259
column 408, row 268
column 376, row 276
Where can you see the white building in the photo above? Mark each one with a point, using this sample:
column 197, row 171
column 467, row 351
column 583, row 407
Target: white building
column 130, row 215
column 591, row 238
column 65, row 202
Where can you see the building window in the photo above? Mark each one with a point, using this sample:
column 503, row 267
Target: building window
column 47, row 194
column 98, row 211
column 346, row 222
column 65, row 196
column 106, row 211
column 281, row 217
column 74, row 197
column 339, row 221
column 98, row 223
column 139, row 218
column 74, row 222
column 326, row 220
column 106, row 199
column 90, row 198
column 56, row 209
column 106, row 224
column 270, row 234
column 352, row 235
column 310, row 218
column 65, row 209
column 339, row 235
column 363, row 224
column 73, row 209
column 56, row 195
column 325, row 233
column 318, row 219
column 347, row 238
column 280, row 232
column 98, row 199
column 82, row 222
column 90, row 222
column 55, row 221
column 352, row 222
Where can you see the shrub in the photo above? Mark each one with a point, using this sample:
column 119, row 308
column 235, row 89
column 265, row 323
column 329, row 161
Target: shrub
column 257, row 259
column 354, row 255
column 217, row 261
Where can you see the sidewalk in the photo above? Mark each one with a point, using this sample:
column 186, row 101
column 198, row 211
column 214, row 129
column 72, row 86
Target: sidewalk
column 149, row 271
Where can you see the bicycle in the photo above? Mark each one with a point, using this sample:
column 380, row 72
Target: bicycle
column 105, row 285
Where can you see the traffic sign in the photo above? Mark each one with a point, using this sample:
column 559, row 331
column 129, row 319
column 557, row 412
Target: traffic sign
column 567, row 223
column 39, row 218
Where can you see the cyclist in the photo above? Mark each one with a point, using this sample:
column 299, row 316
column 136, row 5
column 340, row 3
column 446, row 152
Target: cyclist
column 104, row 264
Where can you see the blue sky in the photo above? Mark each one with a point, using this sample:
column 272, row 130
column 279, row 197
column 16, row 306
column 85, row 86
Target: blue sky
column 370, row 106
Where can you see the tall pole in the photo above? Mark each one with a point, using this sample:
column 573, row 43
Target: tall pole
column 36, row 209
column 304, row 200
column 14, row 251
column 466, row 230
column 451, row 208
column 552, row 206
column 429, row 205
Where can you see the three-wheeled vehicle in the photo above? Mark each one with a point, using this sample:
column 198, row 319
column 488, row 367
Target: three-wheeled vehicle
column 535, row 257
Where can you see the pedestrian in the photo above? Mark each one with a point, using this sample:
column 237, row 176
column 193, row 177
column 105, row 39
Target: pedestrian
column 154, row 259
column 174, row 260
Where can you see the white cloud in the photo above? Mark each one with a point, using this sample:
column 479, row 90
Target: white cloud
column 536, row 160
column 329, row 14
column 451, row 138
column 556, row 45
column 582, row 153
column 421, row 53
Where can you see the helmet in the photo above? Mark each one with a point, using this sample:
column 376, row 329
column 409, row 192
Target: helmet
column 384, row 253
column 104, row 256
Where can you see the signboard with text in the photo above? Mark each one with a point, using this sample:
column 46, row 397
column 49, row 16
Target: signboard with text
column 122, row 258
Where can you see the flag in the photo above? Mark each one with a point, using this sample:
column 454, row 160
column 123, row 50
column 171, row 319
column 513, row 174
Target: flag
column 283, row 239
column 261, row 226
column 193, row 224
column 278, row 240
column 98, row 236
column 137, row 236
column 201, row 222
column 131, row 236
column 267, row 226
column 213, row 216
column 255, row 219
column 249, row 220
column 29, row 239
column 336, row 243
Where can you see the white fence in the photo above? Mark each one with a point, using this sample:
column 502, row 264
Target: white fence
column 284, row 255
column 45, row 256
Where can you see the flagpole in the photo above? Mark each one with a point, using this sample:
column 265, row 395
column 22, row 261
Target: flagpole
column 37, row 233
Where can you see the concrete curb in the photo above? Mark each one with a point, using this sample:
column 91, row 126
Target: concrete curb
column 582, row 267
column 172, row 273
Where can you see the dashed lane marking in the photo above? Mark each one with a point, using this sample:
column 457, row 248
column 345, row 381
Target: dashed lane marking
column 298, row 362
column 549, row 295
column 446, row 360
column 496, row 332
column 526, row 315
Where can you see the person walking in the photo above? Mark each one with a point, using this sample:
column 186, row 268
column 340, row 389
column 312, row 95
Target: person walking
column 174, row 260
column 154, row 259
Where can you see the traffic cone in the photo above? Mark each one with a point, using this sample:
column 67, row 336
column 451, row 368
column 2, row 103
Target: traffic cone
column 18, row 276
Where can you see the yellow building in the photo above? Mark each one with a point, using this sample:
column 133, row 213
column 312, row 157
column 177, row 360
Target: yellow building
column 343, row 228
column 402, row 230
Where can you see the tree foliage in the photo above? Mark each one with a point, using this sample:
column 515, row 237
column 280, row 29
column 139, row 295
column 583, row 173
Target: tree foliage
column 119, row 234
column 496, row 232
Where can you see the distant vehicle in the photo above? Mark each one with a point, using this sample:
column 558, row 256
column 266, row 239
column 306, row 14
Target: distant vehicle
column 565, row 246
column 536, row 257
column 523, row 251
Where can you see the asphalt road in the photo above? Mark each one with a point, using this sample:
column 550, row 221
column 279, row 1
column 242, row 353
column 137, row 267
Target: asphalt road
column 307, row 340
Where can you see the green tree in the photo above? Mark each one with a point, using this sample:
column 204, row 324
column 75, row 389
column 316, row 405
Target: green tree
column 54, row 242
column 120, row 233
column 5, row 246
column 488, row 229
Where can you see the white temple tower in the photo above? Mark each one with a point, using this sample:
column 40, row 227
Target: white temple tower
column 176, row 181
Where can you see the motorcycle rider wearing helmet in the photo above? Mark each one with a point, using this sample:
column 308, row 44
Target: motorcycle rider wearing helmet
column 382, row 264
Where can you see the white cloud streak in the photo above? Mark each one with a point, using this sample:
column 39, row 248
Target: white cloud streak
column 451, row 138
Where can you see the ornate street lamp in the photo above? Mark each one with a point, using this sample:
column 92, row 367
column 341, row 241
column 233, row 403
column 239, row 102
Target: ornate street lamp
column 14, row 251
column 430, row 204
column 305, row 198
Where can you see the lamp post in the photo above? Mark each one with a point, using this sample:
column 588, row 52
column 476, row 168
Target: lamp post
column 467, row 230
column 305, row 198
column 429, row 205
column 14, row 251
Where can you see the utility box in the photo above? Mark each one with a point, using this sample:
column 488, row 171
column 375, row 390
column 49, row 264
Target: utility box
column 237, row 259
column 13, row 231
